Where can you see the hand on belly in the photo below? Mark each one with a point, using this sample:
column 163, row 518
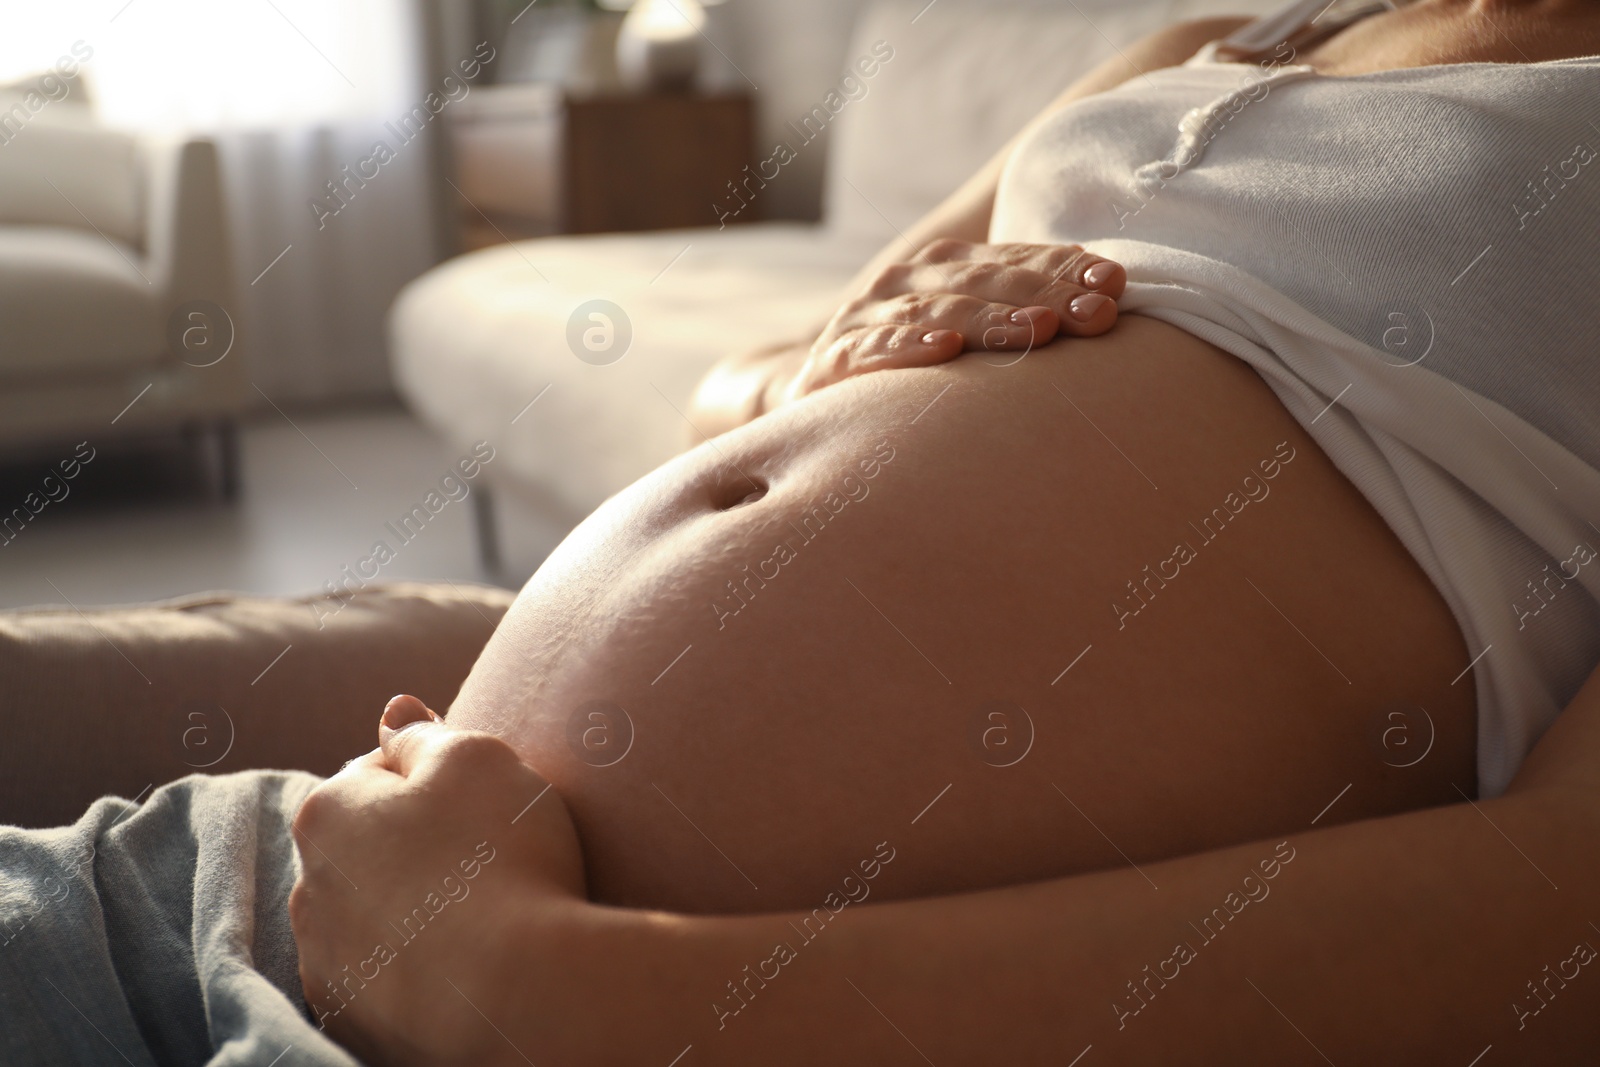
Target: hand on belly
column 953, row 297
column 797, row 642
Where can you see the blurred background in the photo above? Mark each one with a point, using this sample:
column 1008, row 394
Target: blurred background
column 297, row 295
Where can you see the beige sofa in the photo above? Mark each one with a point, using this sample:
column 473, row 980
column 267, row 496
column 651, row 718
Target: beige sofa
column 115, row 285
column 121, row 700
column 476, row 341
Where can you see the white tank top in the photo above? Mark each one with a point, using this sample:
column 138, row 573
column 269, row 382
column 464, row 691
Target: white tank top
column 1409, row 259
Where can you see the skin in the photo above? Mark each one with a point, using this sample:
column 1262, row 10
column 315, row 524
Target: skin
column 810, row 731
column 1033, row 523
column 1428, row 938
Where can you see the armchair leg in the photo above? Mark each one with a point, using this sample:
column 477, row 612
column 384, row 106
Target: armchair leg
column 488, row 534
column 225, row 436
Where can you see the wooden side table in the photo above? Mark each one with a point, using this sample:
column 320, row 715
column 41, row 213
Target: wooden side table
column 530, row 160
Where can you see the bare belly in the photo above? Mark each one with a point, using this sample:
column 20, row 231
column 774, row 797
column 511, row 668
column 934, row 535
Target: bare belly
column 1104, row 606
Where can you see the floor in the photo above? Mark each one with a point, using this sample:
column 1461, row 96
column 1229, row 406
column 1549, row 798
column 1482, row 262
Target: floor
column 143, row 521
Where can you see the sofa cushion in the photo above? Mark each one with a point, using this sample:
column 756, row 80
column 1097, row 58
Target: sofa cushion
column 65, row 171
column 475, row 340
column 71, row 300
column 122, row 699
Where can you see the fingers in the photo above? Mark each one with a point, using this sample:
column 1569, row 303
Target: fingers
column 1090, row 314
column 983, row 324
column 366, row 762
column 886, row 347
column 403, row 710
column 406, row 748
column 931, row 329
column 997, row 283
column 956, row 296
column 1105, row 277
column 1063, row 263
column 429, row 749
column 937, row 289
column 1079, row 313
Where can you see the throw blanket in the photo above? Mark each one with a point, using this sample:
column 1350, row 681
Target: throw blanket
column 1407, row 258
column 159, row 933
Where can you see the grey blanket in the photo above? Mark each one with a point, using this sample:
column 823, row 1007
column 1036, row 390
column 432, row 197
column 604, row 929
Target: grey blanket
column 158, row 933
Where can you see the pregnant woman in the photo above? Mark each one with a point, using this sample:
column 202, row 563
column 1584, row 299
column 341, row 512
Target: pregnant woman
column 1015, row 631
column 1002, row 620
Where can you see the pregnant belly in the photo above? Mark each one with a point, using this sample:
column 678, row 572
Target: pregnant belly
column 1104, row 606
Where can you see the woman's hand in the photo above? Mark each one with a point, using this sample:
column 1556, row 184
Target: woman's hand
column 958, row 297
column 417, row 859
column 963, row 297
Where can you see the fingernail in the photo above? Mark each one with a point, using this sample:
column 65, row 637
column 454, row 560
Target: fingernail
column 403, row 710
column 1100, row 273
column 933, row 337
column 1084, row 307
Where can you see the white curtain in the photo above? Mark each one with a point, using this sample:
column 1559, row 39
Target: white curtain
column 292, row 91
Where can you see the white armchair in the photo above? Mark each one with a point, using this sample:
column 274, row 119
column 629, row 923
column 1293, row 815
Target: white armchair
column 115, row 281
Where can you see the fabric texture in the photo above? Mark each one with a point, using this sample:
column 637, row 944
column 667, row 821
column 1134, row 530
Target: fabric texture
column 81, row 297
column 120, row 700
column 476, row 340
column 1406, row 257
column 945, row 104
column 159, row 933
column 54, row 168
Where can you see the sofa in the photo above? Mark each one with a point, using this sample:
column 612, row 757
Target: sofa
column 121, row 700
column 115, row 280
column 482, row 346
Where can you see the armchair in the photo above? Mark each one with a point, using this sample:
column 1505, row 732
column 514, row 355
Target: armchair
column 115, row 281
